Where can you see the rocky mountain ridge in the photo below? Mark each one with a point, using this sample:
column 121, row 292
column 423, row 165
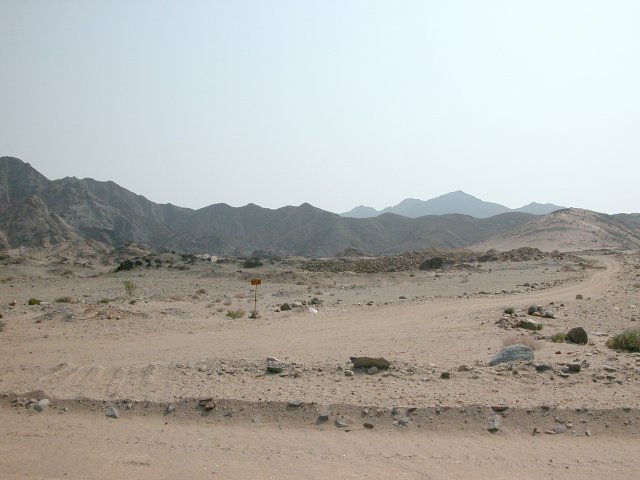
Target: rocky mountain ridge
column 453, row 202
column 40, row 213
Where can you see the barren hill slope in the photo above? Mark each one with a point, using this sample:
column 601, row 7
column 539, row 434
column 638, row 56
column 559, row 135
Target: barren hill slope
column 569, row 230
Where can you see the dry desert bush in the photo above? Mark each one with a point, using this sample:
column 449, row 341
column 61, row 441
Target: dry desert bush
column 628, row 341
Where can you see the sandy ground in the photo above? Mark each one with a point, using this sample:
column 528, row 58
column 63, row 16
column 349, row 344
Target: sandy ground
column 168, row 345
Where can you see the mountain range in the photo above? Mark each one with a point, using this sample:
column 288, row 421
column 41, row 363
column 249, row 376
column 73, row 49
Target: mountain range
column 454, row 202
column 38, row 212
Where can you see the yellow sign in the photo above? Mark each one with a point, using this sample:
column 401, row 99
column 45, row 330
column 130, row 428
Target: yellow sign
column 256, row 281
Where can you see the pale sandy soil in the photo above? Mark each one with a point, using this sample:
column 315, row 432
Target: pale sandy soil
column 174, row 346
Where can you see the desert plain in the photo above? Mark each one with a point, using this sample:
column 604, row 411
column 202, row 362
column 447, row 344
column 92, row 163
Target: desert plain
column 178, row 361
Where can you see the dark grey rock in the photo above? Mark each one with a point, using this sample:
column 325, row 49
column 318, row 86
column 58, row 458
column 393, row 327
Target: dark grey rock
column 372, row 370
column 445, row 375
column 295, row 403
column 284, row 307
column 112, row 412
column 578, row 335
column 404, row 421
column 323, row 416
column 543, row 367
column 574, row 367
column 512, row 353
column 274, row 367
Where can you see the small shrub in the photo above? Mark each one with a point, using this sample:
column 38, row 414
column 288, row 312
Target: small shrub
column 202, row 291
column 65, row 300
column 628, row 341
column 132, row 302
column 130, row 287
column 126, row 265
column 252, row 263
column 235, row 314
column 509, row 311
column 103, row 300
column 559, row 337
column 532, row 343
column 33, row 301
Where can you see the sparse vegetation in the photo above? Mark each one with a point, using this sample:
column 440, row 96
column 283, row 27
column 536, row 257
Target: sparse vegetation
column 33, row 301
column 126, row 265
column 235, row 314
column 530, row 342
column 103, row 300
column 252, row 263
column 510, row 311
column 65, row 300
column 201, row 291
column 628, row 341
column 558, row 337
column 130, row 287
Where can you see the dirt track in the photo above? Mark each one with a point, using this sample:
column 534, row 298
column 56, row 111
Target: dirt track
column 177, row 359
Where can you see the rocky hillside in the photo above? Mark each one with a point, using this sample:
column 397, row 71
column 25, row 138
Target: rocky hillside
column 570, row 230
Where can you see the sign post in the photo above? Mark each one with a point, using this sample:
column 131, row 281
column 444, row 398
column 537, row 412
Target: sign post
column 256, row 282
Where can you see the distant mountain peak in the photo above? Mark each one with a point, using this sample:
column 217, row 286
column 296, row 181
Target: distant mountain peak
column 457, row 201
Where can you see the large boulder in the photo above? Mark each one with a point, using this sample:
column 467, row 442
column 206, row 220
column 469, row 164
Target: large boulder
column 512, row 353
column 578, row 335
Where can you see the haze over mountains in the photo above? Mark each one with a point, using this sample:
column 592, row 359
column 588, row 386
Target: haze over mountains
column 38, row 212
column 454, row 202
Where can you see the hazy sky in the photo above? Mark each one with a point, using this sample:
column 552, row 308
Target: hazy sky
column 335, row 103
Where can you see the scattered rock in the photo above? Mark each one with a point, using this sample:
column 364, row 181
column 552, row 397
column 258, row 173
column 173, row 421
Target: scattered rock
column 348, row 373
column 295, row 403
column 578, row 335
column 529, row 324
column 170, row 409
column 559, row 428
column 579, row 297
column 274, row 367
column 367, row 425
column 209, row 406
column 41, row 405
column 464, row 368
column 284, row 307
column 549, row 314
column 574, row 367
column 368, row 362
column 112, row 412
column 341, row 424
column 445, row 375
column 512, row 353
column 499, row 408
column 543, row 367
column 403, row 421
column 372, row 370
column 495, row 422
column 323, row 416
